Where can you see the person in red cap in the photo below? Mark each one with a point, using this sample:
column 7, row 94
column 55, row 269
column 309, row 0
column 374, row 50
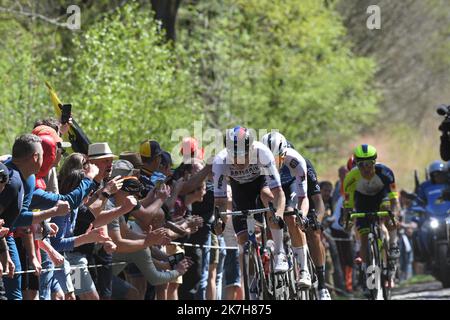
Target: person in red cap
column 190, row 150
column 53, row 146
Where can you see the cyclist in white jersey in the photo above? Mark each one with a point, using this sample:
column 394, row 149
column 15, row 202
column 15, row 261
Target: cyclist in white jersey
column 296, row 191
column 250, row 168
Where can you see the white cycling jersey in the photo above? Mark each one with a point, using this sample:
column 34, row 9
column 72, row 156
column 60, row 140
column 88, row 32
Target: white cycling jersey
column 297, row 167
column 262, row 163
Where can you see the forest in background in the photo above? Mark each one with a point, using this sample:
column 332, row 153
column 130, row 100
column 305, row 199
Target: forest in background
column 309, row 68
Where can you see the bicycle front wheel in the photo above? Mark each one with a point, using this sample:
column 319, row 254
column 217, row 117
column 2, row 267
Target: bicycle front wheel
column 374, row 270
column 253, row 274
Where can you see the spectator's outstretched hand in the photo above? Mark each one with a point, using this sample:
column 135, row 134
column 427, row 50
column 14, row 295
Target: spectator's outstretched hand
column 157, row 237
column 9, row 266
column 62, row 208
column 194, row 221
column 56, row 257
column 96, row 235
column 109, row 247
column 36, row 265
column 163, row 192
column 183, row 265
column 114, row 185
column 129, row 203
column 54, row 228
column 65, row 127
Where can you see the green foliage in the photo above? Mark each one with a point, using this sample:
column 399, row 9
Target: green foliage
column 21, row 94
column 264, row 64
column 125, row 83
column 279, row 65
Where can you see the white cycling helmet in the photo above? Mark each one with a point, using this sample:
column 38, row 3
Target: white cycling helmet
column 276, row 142
column 238, row 141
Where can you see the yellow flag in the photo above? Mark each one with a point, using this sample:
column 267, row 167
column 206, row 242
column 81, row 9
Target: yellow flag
column 57, row 104
column 80, row 142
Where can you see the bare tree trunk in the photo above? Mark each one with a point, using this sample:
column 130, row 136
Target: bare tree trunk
column 166, row 12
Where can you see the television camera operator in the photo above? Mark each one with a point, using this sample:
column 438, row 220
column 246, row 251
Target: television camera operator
column 444, row 110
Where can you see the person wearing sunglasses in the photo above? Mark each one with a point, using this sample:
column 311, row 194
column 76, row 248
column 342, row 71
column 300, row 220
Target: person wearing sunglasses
column 302, row 190
column 365, row 187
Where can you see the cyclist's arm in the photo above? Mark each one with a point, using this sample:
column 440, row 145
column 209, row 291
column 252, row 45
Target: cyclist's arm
column 303, row 203
column 319, row 206
column 274, row 182
column 392, row 191
column 298, row 169
column 279, row 201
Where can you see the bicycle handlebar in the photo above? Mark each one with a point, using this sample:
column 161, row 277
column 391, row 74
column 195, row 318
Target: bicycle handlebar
column 380, row 214
column 248, row 213
column 364, row 214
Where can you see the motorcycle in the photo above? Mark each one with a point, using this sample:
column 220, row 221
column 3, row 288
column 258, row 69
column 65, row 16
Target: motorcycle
column 431, row 240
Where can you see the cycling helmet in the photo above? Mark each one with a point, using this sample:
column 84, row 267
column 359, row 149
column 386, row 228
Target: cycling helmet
column 238, row 141
column 276, row 142
column 365, row 152
column 437, row 166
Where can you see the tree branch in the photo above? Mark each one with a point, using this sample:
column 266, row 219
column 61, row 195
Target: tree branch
column 34, row 15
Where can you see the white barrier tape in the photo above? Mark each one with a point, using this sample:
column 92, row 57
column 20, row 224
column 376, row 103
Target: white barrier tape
column 182, row 244
column 71, row 268
column 185, row 244
column 341, row 239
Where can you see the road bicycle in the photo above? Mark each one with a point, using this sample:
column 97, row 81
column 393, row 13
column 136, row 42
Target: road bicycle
column 379, row 277
column 259, row 278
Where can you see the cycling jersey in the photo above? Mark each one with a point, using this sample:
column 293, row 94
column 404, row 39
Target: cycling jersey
column 312, row 184
column 367, row 194
column 296, row 165
column 264, row 166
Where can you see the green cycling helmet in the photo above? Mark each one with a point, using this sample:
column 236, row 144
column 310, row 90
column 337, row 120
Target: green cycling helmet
column 365, row 152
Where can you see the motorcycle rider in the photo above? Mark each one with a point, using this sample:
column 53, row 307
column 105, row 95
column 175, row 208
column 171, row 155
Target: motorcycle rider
column 433, row 209
column 430, row 191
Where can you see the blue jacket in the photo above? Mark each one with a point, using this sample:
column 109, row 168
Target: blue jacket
column 430, row 193
column 15, row 199
column 64, row 239
column 45, row 200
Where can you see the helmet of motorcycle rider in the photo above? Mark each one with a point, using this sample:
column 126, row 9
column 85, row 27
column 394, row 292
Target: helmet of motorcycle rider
column 437, row 166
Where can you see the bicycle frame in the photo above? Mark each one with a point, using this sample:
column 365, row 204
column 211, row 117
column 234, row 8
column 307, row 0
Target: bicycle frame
column 376, row 243
column 249, row 255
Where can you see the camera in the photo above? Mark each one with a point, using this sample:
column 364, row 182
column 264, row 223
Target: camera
column 175, row 259
column 444, row 111
column 66, row 113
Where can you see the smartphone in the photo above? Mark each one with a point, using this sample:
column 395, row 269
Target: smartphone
column 175, row 259
column 158, row 184
column 169, row 180
column 66, row 113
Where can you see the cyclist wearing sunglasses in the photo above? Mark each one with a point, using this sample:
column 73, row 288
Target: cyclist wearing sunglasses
column 365, row 187
column 250, row 167
column 302, row 190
